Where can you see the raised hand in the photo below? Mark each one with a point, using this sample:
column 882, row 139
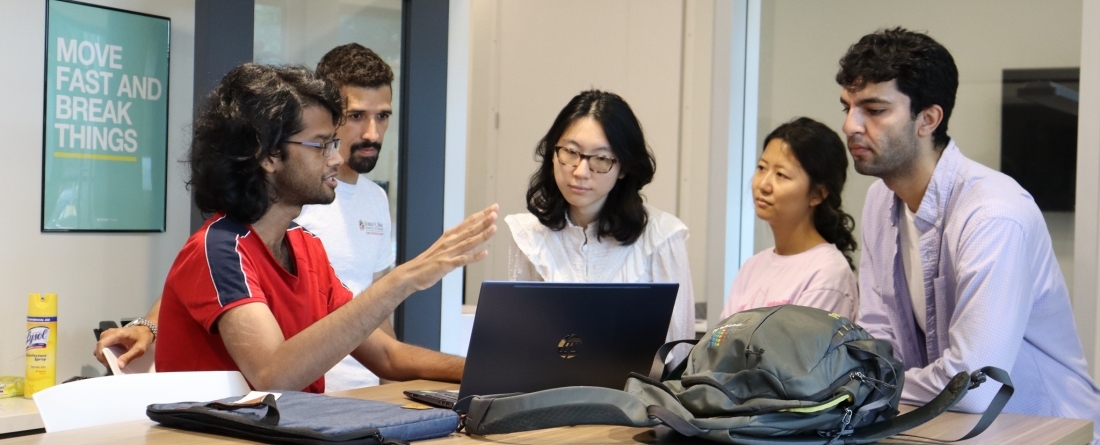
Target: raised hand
column 459, row 246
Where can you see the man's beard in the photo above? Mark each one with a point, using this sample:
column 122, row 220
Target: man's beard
column 897, row 151
column 363, row 164
column 294, row 187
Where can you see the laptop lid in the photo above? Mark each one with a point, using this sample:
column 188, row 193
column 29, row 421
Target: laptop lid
column 531, row 336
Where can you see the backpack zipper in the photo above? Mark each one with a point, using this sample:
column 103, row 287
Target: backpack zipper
column 845, row 429
column 875, row 383
column 870, row 381
column 830, row 392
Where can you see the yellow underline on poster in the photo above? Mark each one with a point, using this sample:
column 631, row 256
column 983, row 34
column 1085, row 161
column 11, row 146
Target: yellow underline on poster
column 59, row 154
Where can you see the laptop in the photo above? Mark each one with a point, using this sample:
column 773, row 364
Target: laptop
column 531, row 336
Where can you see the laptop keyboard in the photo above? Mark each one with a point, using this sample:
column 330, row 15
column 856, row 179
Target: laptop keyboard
column 449, row 396
column 444, row 399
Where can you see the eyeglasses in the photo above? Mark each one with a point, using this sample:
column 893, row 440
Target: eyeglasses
column 326, row 147
column 596, row 163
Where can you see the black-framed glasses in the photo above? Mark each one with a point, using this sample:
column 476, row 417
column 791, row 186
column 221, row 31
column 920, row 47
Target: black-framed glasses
column 596, row 163
column 326, row 147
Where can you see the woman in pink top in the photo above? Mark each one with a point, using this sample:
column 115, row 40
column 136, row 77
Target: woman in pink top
column 796, row 190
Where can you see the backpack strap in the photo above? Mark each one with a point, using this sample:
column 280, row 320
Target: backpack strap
column 674, row 421
column 644, row 403
column 954, row 392
column 574, row 405
column 661, row 372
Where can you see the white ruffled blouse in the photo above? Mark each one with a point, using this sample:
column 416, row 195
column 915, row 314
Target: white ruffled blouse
column 573, row 254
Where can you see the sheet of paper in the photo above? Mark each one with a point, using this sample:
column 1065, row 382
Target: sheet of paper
column 256, row 397
column 142, row 364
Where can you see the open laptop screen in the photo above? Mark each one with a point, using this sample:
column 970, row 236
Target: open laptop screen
column 530, row 336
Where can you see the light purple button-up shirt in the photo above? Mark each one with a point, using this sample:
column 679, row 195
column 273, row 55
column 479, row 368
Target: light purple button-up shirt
column 994, row 293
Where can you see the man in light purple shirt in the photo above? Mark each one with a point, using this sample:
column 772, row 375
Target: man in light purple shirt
column 957, row 269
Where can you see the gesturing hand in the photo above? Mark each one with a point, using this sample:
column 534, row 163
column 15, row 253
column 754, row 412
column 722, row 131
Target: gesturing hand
column 459, row 246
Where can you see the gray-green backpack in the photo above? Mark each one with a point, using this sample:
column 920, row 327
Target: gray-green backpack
column 784, row 374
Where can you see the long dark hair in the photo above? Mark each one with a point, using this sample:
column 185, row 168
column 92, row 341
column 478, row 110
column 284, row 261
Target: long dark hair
column 245, row 119
column 823, row 157
column 623, row 215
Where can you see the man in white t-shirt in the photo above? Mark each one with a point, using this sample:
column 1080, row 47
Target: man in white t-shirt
column 355, row 229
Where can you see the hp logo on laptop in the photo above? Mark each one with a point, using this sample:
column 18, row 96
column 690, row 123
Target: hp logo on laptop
column 568, row 346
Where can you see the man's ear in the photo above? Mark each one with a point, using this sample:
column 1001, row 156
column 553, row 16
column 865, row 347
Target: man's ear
column 929, row 120
column 271, row 163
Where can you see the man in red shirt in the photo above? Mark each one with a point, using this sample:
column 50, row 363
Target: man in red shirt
column 263, row 146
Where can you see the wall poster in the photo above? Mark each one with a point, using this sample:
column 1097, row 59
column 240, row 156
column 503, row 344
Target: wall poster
column 105, row 129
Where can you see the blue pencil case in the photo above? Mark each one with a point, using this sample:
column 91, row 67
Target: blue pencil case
column 306, row 418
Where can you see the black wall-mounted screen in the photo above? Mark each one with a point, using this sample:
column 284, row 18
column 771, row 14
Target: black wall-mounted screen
column 1039, row 133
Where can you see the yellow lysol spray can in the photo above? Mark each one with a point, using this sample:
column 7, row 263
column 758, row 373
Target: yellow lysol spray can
column 41, row 343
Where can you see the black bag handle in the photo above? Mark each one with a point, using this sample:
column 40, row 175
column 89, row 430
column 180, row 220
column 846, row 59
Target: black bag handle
column 999, row 400
column 658, row 371
column 674, row 421
column 954, row 392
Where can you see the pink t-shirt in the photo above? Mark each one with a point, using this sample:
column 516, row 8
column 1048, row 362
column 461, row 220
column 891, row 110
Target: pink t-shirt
column 819, row 277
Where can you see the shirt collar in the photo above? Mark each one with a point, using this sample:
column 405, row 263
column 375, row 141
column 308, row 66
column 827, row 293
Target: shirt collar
column 589, row 231
column 939, row 188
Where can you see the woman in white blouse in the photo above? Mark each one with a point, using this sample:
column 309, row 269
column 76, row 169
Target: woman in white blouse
column 588, row 221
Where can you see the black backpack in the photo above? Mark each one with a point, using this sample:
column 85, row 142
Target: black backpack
column 784, row 374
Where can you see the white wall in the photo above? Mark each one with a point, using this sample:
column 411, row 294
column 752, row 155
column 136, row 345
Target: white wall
column 96, row 276
column 1087, row 296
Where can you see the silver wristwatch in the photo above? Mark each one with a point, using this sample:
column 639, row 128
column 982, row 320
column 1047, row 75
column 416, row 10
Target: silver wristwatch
column 141, row 321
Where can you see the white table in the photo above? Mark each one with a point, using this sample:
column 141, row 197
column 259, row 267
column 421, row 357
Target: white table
column 18, row 414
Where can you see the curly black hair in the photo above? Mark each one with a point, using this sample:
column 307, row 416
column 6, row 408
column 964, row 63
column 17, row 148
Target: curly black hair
column 355, row 65
column 924, row 69
column 245, row 119
column 822, row 155
column 623, row 215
